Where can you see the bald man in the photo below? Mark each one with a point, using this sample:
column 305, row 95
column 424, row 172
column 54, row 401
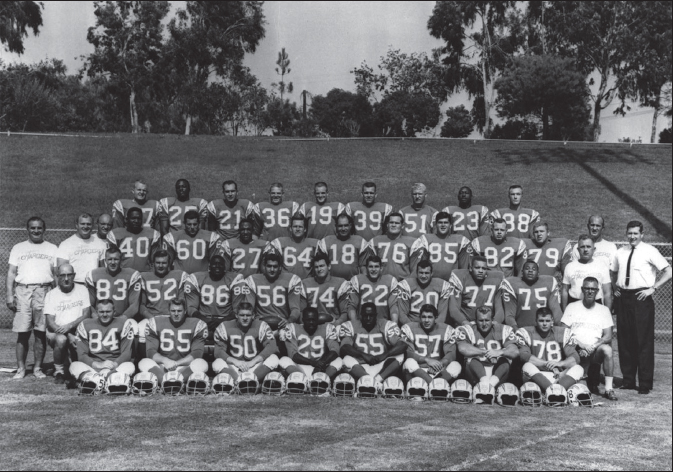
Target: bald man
column 604, row 251
column 419, row 218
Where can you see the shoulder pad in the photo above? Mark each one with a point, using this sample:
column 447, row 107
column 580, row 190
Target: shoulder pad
column 346, row 330
column 506, row 287
column 355, row 283
column 469, row 333
column 265, row 331
column 448, row 334
column 523, row 337
column 455, row 283
column 407, row 332
column 81, row 331
column 475, row 245
column 331, row 332
column 392, row 329
column 221, row 332
column 129, row 329
column 201, row 330
column 151, row 327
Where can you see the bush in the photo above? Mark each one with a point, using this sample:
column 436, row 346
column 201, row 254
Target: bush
column 665, row 136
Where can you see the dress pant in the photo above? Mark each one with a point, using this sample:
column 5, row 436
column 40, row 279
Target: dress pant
column 635, row 334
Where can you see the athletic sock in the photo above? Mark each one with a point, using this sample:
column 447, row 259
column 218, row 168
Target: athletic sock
column 542, row 381
column 58, row 369
column 608, row 383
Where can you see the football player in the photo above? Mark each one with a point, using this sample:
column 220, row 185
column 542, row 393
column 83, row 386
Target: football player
column 548, row 352
column 321, row 214
column 416, row 292
column 368, row 215
column 244, row 253
column 374, row 287
column 136, row 242
column 148, row 208
column 522, row 296
column 173, row 209
column 431, row 352
column 518, row 220
column 347, row 251
column 192, row 245
column 273, row 217
column 371, row 346
column 419, row 218
column 296, row 250
column 586, row 266
column 81, row 250
column 488, row 348
column 472, row 288
column 226, row 214
column 393, row 248
column 326, row 293
column 104, row 226
column 604, row 251
column 175, row 343
column 445, row 251
column 551, row 254
column 469, row 220
column 503, row 252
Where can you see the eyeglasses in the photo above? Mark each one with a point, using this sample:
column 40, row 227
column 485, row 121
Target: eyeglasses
column 589, row 289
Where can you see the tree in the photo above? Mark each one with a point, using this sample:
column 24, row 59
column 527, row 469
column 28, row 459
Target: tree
column 281, row 115
column 405, row 114
column 549, row 88
column 15, row 20
column 458, row 123
column 343, row 114
column 283, row 68
column 517, row 129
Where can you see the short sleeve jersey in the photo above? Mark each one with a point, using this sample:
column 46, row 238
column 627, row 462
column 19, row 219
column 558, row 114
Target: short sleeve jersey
column 34, row 262
column 211, row 298
column 470, row 222
column 150, row 211
column 435, row 344
column 382, row 293
column 66, row 307
column 99, row 343
column 498, row 337
column 558, row 345
column 159, row 291
column 411, row 297
column 123, row 288
column 507, row 257
column 471, row 295
column 368, row 219
column 321, row 218
column 193, row 253
column 587, row 324
column 395, row 255
column 280, row 297
column 136, row 248
column 297, row 256
column 176, row 342
column 330, row 297
column 311, row 346
column 551, row 256
column 382, row 337
column 418, row 222
column 273, row 221
column 346, row 256
column 229, row 217
column 82, row 254
column 519, row 222
column 526, row 299
column 243, row 258
column 445, row 254
column 243, row 345
column 174, row 210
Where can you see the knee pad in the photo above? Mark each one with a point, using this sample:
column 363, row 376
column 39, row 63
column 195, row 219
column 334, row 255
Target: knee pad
column 454, row 369
column 146, row 364
column 127, row 368
column 410, row 366
column 575, row 372
column 350, row 362
column 272, row 362
column 199, row 365
column 219, row 365
column 337, row 363
column 529, row 370
column 142, row 330
column 285, row 362
column 77, row 368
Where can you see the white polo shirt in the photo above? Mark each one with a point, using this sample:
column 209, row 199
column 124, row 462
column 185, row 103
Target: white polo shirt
column 576, row 272
column 645, row 264
column 82, row 254
column 587, row 324
column 66, row 307
column 34, row 262
column 604, row 251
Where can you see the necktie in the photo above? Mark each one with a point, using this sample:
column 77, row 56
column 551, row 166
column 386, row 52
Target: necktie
column 628, row 268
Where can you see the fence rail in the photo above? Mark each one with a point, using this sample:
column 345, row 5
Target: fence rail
column 11, row 236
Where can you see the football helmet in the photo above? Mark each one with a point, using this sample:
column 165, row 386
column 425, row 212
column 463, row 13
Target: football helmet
column 461, row 391
column 273, row 384
column 119, row 383
column 92, row 383
column 344, row 386
column 297, row 383
column 172, row 383
column 507, row 395
column 439, row 390
column 145, row 383
column 198, row 384
column 483, row 393
column 247, row 384
column 531, row 395
column 393, row 388
column 366, row 387
column 223, row 384
column 320, row 384
column 556, row 396
column 579, row 395
column 417, row 389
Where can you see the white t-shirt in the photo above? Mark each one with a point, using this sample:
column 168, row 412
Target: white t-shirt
column 576, row 272
column 83, row 254
column 604, row 251
column 66, row 307
column 34, row 262
column 586, row 324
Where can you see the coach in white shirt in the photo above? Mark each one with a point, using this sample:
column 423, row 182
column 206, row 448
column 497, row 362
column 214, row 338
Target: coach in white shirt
column 81, row 250
column 605, row 251
column 634, row 273
column 587, row 266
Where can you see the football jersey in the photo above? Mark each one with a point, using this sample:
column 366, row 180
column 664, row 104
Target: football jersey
column 158, row 291
column 411, row 297
column 368, row 220
column 273, row 221
column 498, row 337
column 445, row 254
column 212, row 299
column 281, row 297
column 558, row 345
column 521, row 301
column 98, row 343
column 243, row 258
column 467, row 296
column 552, row 257
column 346, row 257
column 175, row 342
column 136, row 248
column 519, row 222
column 382, row 293
column 232, row 341
column 173, row 210
column 418, row 222
column 508, row 257
column 470, row 222
column 330, row 297
column 321, row 218
column 123, row 289
column 298, row 341
column 395, row 255
column 297, row 256
column 384, row 335
column 229, row 217
column 150, row 211
column 193, row 253
column 436, row 344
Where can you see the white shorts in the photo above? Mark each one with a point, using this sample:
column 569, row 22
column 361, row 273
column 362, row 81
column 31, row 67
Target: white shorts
column 373, row 370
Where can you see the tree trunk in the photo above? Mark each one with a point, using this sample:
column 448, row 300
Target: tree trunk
column 653, row 136
column 134, row 113
column 545, row 125
column 188, row 125
column 597, row 120
column 486, row 79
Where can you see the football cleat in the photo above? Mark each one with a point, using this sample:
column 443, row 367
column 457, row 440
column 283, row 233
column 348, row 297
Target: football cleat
column 483, row 393
column 223, row 384
column 556, row 396
column 145, row 383
column 461, row 391
column 172, row 383
column 92, row 383
column 531, row 395
column 417, row 389
column 344, row 386
column 198, row 384
column 393, row 388
column 273, row 384
column 507, row 395
column 439, row 390
column 297, row 384
column 319, row 385
column 247, row 384
column 579, row 395
column 119, row 383
column 366, row 387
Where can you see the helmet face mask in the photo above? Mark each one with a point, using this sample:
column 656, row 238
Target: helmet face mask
column 273, row 384
column 198, row 384
column 393, row 388
column 366, row 387
column 439, row 390
column 556, row 396
column 344, row 386
column 461, row 391
column 297, row 384
column 247, row 384
column 92, row 383
column 417, row 389
column 531, row 395
column 320, row 384
column 483, row 393
column 507, row 395
column 579, row 395
column 223, row 384
column 145, row 383
column 119, row 383
column 173, row 383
